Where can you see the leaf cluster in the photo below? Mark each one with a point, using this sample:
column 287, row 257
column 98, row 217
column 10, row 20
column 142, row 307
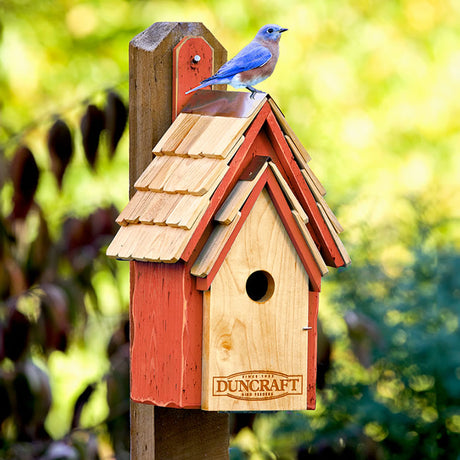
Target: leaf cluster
column 48, row 294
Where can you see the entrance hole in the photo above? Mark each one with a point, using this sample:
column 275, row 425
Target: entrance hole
column 260, row 286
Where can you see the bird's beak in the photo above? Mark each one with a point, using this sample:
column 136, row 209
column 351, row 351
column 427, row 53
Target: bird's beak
column 282, row 30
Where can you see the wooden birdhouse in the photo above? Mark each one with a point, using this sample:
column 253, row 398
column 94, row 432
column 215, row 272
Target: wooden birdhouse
column 229, row 236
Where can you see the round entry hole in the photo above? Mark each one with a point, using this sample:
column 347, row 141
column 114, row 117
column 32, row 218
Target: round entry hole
column 260, row 286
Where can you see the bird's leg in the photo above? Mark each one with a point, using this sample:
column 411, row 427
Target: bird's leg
column 253, row 91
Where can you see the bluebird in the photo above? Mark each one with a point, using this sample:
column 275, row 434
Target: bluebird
column 253, row 64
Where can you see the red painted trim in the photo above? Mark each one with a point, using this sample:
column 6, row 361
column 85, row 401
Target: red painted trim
column 268, row 179
column 166, row 332
column 131, row 319
column 204, row 284
column 275, row 145
column 237, row 165
column 287, row 164
column 187, row 73
column 313, row 303
column 294, row 232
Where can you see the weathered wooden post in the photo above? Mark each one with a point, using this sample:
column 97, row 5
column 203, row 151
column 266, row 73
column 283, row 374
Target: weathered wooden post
column 158, row 432
column 229, row 236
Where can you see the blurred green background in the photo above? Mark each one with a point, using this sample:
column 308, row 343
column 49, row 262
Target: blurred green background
column 372, row 89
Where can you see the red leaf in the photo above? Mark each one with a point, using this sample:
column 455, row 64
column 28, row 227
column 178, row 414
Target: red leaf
column 60, row 148
column 55, row 318
column 16, row 335
column 116, row 116
column 6, row 408
column 92, row 124
column 101, row 222
column 32, row 392
column 80, row 403
column 39, row 252
column 25, row 174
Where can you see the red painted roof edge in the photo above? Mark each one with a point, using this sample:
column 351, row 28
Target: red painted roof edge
column 299, row 186
column 284, row 211
column 237, row 164
column 291, row 172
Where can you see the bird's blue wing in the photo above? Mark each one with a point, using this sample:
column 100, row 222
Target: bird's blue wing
column 250, row 57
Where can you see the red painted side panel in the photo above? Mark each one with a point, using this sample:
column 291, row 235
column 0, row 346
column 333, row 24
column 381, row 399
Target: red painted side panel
column 166, row 332
column 313, row 302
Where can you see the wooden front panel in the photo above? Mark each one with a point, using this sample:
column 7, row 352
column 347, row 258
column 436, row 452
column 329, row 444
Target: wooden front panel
column 255, row 351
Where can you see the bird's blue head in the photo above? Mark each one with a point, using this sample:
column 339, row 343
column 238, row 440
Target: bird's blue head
column 270, row 32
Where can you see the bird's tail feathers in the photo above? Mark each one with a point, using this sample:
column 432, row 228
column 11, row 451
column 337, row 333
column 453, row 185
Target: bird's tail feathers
column 207, row 82
column 203, row 85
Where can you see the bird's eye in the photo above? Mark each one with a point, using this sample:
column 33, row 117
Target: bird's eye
column 270, row 31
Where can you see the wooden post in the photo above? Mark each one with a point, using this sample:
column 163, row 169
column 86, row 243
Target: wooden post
column 150, row 86
column 158, row 433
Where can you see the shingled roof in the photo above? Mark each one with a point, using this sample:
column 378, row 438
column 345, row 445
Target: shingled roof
column 195, row 182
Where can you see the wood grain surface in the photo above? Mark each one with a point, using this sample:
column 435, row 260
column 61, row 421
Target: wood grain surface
column 242, row 335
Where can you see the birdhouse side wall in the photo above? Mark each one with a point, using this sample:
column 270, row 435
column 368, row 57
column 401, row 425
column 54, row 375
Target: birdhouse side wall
column 313, row 304
column 166, row 335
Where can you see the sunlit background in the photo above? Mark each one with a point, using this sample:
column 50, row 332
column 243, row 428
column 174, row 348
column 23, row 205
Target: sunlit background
column 372, row 90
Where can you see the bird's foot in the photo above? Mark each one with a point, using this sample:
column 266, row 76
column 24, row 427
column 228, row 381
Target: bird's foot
column 253, row 91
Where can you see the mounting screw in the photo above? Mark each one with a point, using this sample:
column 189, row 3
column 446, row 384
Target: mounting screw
column 306, row 328
column 196, row 59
